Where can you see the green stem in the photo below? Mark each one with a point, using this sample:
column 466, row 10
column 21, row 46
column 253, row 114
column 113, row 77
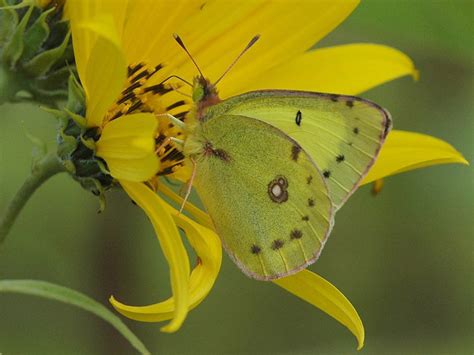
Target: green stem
column 47, row 167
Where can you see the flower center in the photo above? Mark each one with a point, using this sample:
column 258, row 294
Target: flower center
column 146, row 91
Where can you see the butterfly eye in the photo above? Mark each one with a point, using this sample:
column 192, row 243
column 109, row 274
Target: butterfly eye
column 198, row 93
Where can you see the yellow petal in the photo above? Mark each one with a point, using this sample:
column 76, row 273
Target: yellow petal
column 313, row 289
column 208, row 248
column 137, row 170
column 161, row 19
column 159, row 214
column 405, row 151
column 83, row 11
column 105, row 76
column 100, row 60
column 347, row 69
column 285, row 31
column 128, row 146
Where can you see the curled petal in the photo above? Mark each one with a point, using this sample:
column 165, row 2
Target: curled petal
column 200, row 216
column 170, row 241
column 315, row 290
column 405, row 151
column 208, row 248
column 347, row 69
column 128, row 146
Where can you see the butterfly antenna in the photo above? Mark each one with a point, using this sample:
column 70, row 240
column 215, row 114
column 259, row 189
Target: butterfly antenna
column 249, row 45
column 181, row 44
column 190, row 186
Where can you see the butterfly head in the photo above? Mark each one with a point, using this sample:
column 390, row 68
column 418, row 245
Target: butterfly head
column 204, row 92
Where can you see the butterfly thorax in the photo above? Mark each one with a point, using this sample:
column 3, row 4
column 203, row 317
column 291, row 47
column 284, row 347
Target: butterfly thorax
column 204, row 95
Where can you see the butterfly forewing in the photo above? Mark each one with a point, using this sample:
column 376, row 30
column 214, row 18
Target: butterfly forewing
column 267, row 199
column 343, row 134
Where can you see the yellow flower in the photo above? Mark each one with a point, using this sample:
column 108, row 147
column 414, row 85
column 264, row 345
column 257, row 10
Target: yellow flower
column 113, row 37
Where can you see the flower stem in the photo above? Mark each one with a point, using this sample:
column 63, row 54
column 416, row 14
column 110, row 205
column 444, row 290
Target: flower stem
column 41, row 171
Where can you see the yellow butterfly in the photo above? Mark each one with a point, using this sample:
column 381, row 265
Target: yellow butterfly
column 273, row 166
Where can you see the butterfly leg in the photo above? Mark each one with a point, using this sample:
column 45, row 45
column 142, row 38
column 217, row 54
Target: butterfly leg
column 190, row 185
column 176, row 88
column 174, row 120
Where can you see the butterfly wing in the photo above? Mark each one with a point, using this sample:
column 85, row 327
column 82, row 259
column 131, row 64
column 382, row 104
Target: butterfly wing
column 343, row 134
column 267, row 199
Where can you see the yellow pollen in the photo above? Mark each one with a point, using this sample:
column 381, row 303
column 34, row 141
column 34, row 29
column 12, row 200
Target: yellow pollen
column 125, row 108
column 144, row 92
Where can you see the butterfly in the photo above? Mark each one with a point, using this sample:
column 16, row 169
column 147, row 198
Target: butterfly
column 272, row 167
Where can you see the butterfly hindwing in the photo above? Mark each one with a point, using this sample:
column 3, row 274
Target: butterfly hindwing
column 267, row 199
column 343, row 134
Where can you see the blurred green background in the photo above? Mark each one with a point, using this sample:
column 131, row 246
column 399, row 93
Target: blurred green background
column 403, row 258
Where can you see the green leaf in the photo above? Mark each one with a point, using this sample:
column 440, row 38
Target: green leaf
column 9, row 21
column 76, row 97
column 68, row 296
column 41, row 64
column 14, row 48
column 36, row 35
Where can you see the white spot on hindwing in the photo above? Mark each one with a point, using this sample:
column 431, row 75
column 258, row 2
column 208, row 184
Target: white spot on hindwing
column 278, row 189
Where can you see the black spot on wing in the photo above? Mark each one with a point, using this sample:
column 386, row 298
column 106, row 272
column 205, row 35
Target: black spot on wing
column 255, row 249
column 350, row 103
column 277, row 244
column 340, row 158
column 298, row 118
column 356, row 130
column 326, row 173
column 310, row 202
column 296, row 234
column 295, row 151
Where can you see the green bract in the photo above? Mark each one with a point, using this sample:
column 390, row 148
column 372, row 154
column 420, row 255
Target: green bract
column 76, row 144
column 36, row 56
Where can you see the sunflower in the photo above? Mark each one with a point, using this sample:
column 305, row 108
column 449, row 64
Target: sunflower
column 128, row 64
